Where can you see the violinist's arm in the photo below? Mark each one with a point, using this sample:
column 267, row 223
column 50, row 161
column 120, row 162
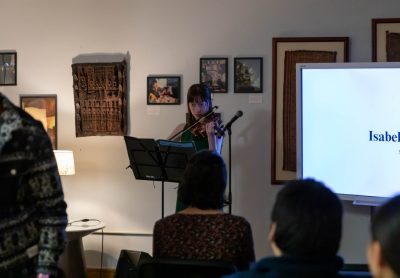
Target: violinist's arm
column 175, row 131
column 214, row 142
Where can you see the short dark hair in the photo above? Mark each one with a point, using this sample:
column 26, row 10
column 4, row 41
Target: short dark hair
column 204, row 181
column 308, row 219
column 385, row 228
column 201, row 91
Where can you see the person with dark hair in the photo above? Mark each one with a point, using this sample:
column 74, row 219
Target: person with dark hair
column 203, row 231
column 33, row 214
column 203, row 134
column 304, row 235
column 383, row 252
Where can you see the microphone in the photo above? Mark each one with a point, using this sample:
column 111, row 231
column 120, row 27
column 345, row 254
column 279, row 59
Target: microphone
column 229, row 124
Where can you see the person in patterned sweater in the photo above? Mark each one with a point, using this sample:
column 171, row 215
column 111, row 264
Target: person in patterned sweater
column 203, row 231
column 33, row 214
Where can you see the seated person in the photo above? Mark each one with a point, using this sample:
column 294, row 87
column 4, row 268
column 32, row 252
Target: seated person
column 304, row 235
column 203, row 231
column 384, row 250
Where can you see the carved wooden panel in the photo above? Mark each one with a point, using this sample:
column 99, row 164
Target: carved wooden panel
column 100, row 98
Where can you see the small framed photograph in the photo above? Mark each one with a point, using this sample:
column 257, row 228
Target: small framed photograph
column 44, row 109
column 286, row 53
column 164, row 90
column 386, row 39
column 248, row 75
column 214, row 72
column 8, row 68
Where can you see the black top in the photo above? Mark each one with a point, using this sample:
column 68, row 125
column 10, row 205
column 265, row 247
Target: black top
column 293, row 267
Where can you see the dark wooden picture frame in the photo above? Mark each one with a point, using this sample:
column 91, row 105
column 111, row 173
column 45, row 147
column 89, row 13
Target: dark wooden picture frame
column 163, row 90
column 248, row 76
column 214, row 72
column 44, row 109
column 286, row 53
column 8, row 68
column 386, row 39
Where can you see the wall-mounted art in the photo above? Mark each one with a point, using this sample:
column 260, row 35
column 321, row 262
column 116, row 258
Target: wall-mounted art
column 8, row 68
column 248, row 75
column 163, row 90
column 386, row 39
column 44, row 109
column 286, row 53
column 214, row 72
column 100, row 98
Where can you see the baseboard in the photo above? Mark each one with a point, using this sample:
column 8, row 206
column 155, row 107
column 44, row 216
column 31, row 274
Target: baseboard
column 105, row 273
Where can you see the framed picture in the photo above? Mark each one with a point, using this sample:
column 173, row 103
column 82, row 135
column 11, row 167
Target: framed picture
column 44, row 109
column 8, row 68
column 386, row 39
column 163, row 90
column 286, row 53
column 214, row 72
column 248, row 75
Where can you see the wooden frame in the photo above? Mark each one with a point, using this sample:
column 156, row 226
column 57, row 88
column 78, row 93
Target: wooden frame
column 380, row 39
column 44, row 109
column 8, row 68
column 214, row 72
column 248, row 75
column 286, row 52
column 163, row 90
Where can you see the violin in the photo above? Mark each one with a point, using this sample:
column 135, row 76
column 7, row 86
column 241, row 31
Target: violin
column 200, row 128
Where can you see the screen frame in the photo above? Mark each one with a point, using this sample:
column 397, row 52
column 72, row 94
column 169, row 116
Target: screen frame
column 357, row 199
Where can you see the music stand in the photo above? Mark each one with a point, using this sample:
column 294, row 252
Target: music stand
column 160, row 160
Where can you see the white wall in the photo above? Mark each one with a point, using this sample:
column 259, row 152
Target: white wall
column 169, row 37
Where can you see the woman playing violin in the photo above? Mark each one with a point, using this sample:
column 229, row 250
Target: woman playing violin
column 203, row 134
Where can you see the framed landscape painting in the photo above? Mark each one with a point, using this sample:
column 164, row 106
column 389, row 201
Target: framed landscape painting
column 248, row 75
column 44, row 109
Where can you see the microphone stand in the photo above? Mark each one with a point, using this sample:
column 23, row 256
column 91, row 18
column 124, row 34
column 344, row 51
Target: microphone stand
column 230, row 168
column 229, row 128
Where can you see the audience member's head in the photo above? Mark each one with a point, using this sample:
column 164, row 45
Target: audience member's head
column 384, row 249
column 306, row 220
column 204, row 181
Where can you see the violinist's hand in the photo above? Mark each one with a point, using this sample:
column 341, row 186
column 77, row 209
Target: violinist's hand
column 210, row 128
column 42, row 275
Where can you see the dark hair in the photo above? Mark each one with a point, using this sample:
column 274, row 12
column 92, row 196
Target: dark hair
column 308, row 219
column 385, row 229
column 204, row 181
column 195, row 92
